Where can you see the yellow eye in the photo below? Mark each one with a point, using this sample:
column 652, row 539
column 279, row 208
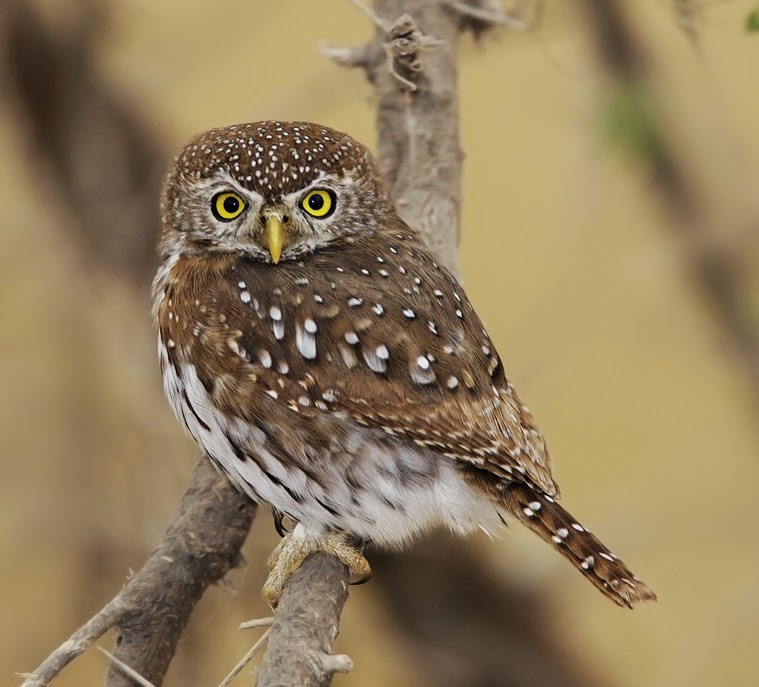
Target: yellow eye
column 319, row 203
column 227, row 206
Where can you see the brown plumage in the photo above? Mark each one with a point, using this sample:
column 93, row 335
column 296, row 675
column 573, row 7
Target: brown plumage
column 347, row 382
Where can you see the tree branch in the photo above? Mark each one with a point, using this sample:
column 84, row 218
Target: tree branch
column 198, row 549
column 418, row 148
column 200, row 546
column 75, row 645
column 305, row 626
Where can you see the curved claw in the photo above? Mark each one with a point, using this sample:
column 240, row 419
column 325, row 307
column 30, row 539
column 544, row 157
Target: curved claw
column 278, row 525
column 365, row 577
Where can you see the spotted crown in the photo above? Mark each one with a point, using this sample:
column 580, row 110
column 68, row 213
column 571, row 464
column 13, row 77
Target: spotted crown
column 271, row 158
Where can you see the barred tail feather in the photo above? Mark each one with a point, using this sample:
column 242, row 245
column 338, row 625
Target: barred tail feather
column 544, row 516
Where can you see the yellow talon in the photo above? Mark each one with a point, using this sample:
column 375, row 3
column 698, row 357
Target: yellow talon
column 290, row 553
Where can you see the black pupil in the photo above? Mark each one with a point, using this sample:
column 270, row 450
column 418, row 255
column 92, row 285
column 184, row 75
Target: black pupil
column 316, row 202
column 231, row 205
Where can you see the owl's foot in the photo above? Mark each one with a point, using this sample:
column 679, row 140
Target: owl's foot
column 293, row 550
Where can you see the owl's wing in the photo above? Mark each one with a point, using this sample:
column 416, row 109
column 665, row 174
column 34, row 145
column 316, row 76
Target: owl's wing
column 380, row 333
column 432, row 375
column 495, row 433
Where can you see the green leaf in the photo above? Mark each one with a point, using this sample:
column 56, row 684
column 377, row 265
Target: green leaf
column 752, row 22
column 628, row 124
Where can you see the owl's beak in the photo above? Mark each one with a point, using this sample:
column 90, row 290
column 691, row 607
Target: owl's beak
column 275, row 236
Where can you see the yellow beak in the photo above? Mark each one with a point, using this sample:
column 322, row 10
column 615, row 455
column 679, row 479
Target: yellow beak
column 275, row 237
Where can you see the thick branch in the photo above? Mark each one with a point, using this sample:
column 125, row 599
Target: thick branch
column 418, row 147
column 305, row 626
column 197, row 550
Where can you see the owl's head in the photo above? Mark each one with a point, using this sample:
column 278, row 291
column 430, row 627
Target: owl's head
column 274, row 190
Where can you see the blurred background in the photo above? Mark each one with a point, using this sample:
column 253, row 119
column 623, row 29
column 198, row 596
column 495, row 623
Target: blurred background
column 610, row 237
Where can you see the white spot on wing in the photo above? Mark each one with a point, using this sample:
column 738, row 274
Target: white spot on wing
column 374, row 361
column 265, row 358
column 306, row 342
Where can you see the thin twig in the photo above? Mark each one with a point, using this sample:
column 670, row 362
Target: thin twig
column 245, row 659
column 259, row 622
column 77, row 644
column 346, row 56
column 124, row 668
column 380, row 23
column 487, row 16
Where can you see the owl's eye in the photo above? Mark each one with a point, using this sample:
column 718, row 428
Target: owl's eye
column 319, row 203
column 227, row 206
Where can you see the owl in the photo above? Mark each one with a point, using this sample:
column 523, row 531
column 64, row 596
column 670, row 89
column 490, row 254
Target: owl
column 324, row 360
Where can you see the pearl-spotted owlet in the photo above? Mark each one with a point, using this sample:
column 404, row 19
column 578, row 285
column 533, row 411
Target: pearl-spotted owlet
column 332, row 368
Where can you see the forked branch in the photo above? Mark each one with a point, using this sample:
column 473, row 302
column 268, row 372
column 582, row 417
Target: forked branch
column 197, row 550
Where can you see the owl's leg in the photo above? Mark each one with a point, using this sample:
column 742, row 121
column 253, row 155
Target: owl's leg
column 293, row 550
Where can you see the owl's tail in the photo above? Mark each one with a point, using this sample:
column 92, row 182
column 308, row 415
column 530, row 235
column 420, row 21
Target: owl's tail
column 544, row 516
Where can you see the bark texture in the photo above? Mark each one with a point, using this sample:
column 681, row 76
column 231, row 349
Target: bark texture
column 198, row 549
column 305, row 626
